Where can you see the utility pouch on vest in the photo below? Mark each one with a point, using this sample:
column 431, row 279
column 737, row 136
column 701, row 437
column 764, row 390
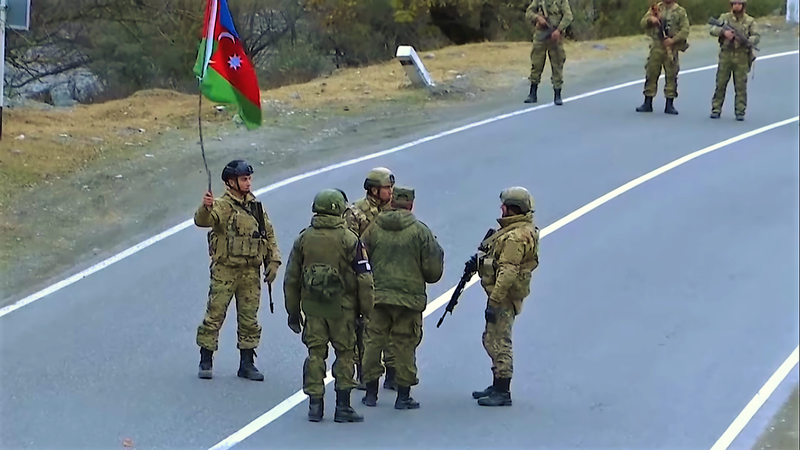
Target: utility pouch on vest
column 322, row 283
column 244, row 246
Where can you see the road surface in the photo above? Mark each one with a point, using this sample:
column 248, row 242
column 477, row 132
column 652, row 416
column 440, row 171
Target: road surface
column 653, row 319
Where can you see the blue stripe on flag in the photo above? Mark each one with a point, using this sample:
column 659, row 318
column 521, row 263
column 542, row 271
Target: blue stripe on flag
column 226, row 20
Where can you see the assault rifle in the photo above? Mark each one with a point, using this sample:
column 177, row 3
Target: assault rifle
column 262, row 231
column 550, row 27
column 663, row 29
column 470, row 267
column 740, row 38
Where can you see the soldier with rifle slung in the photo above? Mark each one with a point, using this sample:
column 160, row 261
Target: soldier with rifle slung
column 505, row 261
column 241, row 239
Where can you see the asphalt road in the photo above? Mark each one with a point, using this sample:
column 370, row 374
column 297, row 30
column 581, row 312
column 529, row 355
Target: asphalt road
column 653, row 319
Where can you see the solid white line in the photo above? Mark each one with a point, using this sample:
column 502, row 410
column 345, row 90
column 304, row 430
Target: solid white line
column 755, row 404
column 299, row 396
column 183, row 225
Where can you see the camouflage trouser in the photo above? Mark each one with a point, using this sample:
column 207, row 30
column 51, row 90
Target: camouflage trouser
column 245, row 284
column 657, row 59
column 736, row 63
column 497, row 342
column 387, row 352
column 317, row 333
column 555, row 50
column 403, row 328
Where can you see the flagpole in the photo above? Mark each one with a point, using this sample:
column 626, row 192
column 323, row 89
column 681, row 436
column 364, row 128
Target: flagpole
column 200, row 129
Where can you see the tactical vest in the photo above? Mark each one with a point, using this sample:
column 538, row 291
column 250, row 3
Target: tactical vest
column 242, row 245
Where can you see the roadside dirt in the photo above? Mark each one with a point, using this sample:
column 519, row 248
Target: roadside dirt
column 86, row 182
column 784, row 431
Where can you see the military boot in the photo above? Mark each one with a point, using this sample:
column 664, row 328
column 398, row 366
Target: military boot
column 557, row 98
column 389, row 382
column 647, row 106
column 484, row 393
column 669, row 108
column 715, row 115
column 740, row 117
column 345, row 412
column 247, row 368
column 532, row 97
column 404, row 400
column 371, row 397
column 206, row 363
column 316, row 407
column 500, row 396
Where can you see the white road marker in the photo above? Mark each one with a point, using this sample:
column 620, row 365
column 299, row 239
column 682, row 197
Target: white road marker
column 186, row 224
column 298, row 397
column 757, row 402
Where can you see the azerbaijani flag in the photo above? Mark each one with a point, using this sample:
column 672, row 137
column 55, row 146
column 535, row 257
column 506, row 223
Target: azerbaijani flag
column 226, row 74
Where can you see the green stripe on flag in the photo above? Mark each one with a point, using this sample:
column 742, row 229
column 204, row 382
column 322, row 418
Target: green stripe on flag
column 218, row 89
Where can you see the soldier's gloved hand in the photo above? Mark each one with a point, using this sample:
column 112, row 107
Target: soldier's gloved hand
column 294, row 324
column 271, row 272
column 490, row 314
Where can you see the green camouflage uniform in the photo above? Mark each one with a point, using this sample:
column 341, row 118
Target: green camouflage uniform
column 327, row 276
column 236, row 257
column 677, row 26
column 559, row 14
column 405, row 256
column 735, row 59
column 506, row 261
column 358, row 217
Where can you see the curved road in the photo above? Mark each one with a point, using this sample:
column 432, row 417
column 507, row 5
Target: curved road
column 653, row 320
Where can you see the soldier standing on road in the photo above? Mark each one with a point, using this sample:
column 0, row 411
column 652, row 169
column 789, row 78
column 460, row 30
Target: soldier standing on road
column 664, row 53
column 378, row 186
column 240, row 240
column 547, row 14
column 734, row 57
column 506, row 261
column 405, row 256
column 327, row 276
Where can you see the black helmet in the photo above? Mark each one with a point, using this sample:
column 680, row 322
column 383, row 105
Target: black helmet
column 235, row 169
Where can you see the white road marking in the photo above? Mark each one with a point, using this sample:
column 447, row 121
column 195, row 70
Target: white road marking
column 183, row 225
column 757, row 402
column 286, row 405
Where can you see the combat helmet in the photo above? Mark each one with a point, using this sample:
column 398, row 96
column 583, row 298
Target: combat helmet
column 517, row 196
column 329, row 202
column 235, row 169
column 379, row 177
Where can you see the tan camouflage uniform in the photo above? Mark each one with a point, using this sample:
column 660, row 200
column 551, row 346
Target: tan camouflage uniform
column 506, row 261
column 236, row 258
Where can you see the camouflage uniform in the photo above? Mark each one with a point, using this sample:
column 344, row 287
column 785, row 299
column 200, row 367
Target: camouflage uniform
column 405, row 256
column 358, row 217
column 327, row 275
column 506, row 261
column 559, row 14
column 676, row 27
column 735, row 59
column 237, row 251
